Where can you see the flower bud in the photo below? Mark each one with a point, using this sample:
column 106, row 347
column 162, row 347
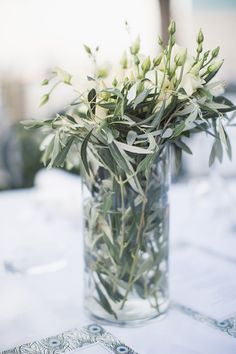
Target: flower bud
column 215, row 52
column 44, row 99
column 45, row 82
column 205, row 56
column 172, row 40
column 160, row 41
column 181, row 57
column 124, row 61
column 105, row 96
column 200, row 37
column 63, row 75
column 136, row 60
column 134, row 49
column 215, row 66
column 157, row 60
column 172, row 28
column 87, row 49
column 114, row 82
column 146, row 65
column 196, row 68
column 199, row 48
column 102, row 72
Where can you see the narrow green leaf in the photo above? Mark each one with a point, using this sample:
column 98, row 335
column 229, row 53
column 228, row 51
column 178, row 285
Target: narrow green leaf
column 179, row 129
column 186, row 110
column 167, row 133
column 104, row 302
column 34, row 124
column 108, row 133
column 158, row 116
column 223, row 100
column 212, row 156
column 141, row 97
column 183, row 146
column 71, row 119
column 118, row 157
column 229, row 148
column 60, row 158
column 133, row 149
column 114, row 91
column 222, row 133
column 107, row 201
column 131, row 137
column 48, row 151
column 178, row 158
column 218, row 150
column 56, row 148
column 132, row 92
column 192, row 117
column 92, row 99
column 113, row 294
column 84, row 152
column 145, row 163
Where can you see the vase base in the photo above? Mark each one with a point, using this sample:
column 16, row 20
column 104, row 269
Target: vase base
column 127, row 323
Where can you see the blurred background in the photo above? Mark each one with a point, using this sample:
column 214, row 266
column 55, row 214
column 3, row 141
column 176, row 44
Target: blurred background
column 36, row 36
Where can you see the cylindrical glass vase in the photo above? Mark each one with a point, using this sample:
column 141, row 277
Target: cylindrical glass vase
column 126, row 226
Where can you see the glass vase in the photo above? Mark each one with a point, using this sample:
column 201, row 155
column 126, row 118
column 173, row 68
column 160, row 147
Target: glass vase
column 126, row 231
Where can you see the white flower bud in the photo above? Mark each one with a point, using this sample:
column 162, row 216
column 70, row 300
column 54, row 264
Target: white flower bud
column 102, row 72
column 87, row 49
column 114, row 82
column 215, row 66
column 124, row 61
column 215, row 52
column 146, row 65
column 157, row 60
column 45, row 82
column 196, row 68
column 199, row 48
column 172, row 28
column 200, row 37
column 181, row 57
column 134, row 49
column 44, row 99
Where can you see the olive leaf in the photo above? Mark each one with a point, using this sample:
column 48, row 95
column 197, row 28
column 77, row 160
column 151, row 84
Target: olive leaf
column 104, row 301
column 83, row 152
column 92, row 100
column 61, row 156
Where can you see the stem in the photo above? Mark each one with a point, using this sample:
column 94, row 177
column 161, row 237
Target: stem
column 207, row 63
column 135, row 257
column 122, row 218
column 181, row 76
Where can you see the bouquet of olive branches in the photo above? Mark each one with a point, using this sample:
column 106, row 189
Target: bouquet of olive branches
column 117, row 129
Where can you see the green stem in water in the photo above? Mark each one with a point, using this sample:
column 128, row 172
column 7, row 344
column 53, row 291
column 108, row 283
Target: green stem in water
column 135, row 257
column 122, row 246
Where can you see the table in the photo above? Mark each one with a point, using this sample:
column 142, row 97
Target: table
column 44, row 223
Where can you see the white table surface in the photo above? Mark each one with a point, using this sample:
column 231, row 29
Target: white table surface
column 45, row 223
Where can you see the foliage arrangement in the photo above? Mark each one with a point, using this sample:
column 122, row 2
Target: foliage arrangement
column 119, row 129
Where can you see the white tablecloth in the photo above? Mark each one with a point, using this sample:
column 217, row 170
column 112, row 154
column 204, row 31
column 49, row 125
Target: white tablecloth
column 43, row 226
